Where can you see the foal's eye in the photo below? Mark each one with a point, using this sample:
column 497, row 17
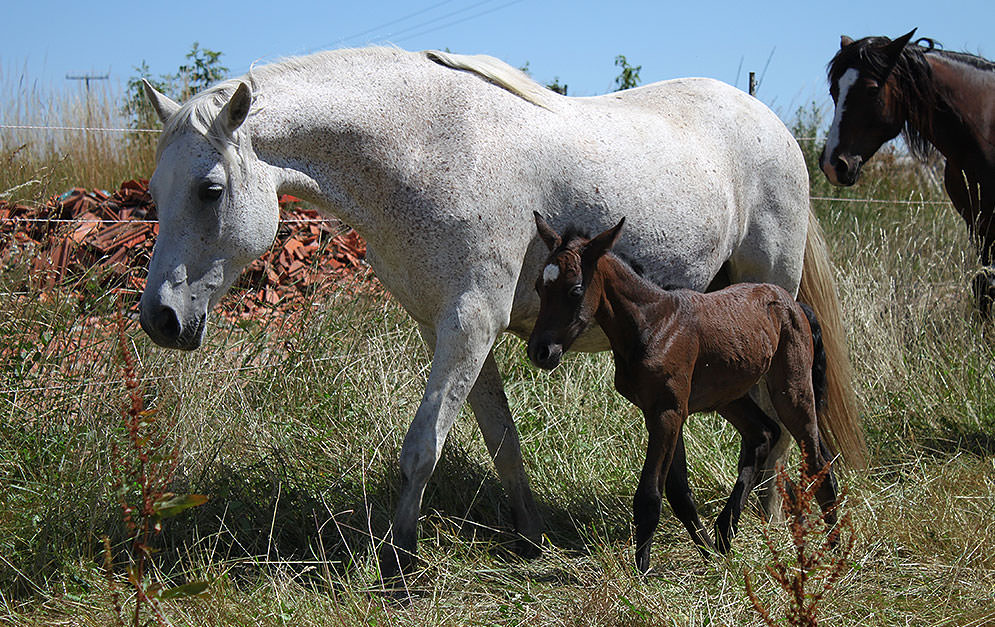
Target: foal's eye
column 209, row 192
column 576, row 291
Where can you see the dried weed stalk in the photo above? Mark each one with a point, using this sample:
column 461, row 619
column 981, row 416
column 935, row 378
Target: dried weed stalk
column 820, row 557
column 143, row 470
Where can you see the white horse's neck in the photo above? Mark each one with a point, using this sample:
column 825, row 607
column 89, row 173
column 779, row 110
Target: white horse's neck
column 355, row 132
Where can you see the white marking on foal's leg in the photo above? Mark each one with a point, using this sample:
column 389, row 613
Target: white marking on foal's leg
column 845, row 83
column 550, row 273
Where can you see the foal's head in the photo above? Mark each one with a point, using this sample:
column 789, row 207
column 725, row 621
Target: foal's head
column 569, row 290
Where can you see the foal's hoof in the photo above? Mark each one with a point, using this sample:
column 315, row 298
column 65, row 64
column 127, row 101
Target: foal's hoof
column 527, row 548
column 983, row 286
column 396, row 565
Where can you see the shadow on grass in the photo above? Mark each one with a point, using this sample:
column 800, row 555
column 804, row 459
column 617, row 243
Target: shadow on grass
column 270, row 513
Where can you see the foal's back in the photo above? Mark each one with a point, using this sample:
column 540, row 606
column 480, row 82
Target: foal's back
column 731, row 338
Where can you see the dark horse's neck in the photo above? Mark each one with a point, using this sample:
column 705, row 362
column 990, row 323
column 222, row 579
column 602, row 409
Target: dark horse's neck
column 628, row 304
column 954, row 116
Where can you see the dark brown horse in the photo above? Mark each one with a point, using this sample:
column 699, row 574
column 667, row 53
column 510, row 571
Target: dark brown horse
column 938, row 99
column 678, row 352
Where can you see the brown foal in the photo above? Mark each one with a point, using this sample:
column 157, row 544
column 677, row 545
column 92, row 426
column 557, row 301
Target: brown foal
column 678, row 352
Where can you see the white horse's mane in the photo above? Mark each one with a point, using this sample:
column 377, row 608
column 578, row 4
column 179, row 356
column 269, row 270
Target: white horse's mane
column 201, row 111
column 498, row 72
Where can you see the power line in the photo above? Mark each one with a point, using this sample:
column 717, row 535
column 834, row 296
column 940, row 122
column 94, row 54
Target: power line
column 459, row 21
column 384, row 25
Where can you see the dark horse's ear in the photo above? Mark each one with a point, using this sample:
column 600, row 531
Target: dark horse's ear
column 603, row 242
column 546, row 232
column 894, row 50
column 845, row 41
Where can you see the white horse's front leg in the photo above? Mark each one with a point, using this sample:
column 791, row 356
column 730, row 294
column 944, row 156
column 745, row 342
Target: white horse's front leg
column 490, row 407
column 463, row 339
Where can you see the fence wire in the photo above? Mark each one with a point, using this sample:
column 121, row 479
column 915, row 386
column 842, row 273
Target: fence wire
column 153, row 379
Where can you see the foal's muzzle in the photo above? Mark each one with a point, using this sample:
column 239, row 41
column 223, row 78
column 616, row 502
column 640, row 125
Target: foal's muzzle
column 545, row 354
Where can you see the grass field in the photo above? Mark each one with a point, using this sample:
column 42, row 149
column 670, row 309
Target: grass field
column 292, row 427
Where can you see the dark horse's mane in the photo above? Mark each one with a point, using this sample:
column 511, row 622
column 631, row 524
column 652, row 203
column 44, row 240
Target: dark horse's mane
column 572, row 232
column 917, row 92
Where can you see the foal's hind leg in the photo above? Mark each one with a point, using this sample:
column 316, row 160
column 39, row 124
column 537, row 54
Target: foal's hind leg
column 681, row 501
column 758, row 433
column 795, row 405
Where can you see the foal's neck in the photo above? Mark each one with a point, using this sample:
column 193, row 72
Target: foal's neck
column 629, row 304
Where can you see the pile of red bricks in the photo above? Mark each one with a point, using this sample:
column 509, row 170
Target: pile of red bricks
column 93, row 238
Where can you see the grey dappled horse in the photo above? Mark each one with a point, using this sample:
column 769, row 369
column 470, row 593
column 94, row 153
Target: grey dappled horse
column 438, row 161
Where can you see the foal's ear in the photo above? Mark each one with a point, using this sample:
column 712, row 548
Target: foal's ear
column 237, row 108
column 603, row 242
column 546, row 232
column 845, row 41
column 894, row 50
column 163, row 105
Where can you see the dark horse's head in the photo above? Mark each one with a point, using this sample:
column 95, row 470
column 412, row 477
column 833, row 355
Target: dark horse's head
column 566, row 304
column 878, row 87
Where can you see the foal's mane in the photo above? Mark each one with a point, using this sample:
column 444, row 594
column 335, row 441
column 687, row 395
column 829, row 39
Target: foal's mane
column 916, row 90
column 574, row 233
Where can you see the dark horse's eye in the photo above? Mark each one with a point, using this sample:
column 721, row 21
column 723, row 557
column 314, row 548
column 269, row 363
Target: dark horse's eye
column 576, row 291
column 209, row 192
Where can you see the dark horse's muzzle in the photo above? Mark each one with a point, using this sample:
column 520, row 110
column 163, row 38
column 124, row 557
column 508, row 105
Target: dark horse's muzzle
column 162, row 324
column 841, row 170
column 545, row 352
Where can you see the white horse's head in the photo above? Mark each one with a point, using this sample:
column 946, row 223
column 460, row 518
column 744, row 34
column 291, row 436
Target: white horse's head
column 217, row 210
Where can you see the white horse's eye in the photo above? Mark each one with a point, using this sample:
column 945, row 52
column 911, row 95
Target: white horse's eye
column 209, row 192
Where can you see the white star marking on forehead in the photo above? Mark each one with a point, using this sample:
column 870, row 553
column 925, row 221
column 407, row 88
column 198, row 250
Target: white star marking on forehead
column 549, row 273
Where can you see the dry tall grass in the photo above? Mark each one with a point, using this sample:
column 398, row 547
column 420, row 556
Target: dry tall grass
column 36, row 164
column 293, row 428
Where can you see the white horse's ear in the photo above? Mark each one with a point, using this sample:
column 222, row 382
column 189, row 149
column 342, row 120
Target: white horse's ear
column 546, row 232
column 163, row 105
column 237, row 108
column 845, row 41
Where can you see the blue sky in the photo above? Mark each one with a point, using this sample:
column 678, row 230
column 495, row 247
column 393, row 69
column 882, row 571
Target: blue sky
column 786, row 43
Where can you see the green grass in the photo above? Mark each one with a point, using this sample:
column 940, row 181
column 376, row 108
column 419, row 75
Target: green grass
column 293, row 428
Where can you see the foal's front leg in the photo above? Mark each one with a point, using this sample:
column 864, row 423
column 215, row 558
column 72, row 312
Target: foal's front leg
column 664, row 431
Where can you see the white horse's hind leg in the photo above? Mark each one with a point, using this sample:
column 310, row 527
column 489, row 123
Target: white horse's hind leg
column 461, row 347
column 490, row 407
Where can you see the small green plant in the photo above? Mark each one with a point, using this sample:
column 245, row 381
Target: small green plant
column 143, row 470
column 820, row 557
column 628, row 77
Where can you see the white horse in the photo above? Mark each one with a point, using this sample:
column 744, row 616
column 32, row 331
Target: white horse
column 438, row 161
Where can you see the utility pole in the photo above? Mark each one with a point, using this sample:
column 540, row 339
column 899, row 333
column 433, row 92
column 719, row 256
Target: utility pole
column 86, row 78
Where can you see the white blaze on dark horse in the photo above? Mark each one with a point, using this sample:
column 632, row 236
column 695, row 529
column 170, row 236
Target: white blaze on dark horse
column 438, row 160
column 936, row 99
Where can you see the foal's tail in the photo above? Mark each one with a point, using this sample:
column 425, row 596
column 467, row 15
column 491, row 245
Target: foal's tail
column 819, row 383
column 839, row 423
